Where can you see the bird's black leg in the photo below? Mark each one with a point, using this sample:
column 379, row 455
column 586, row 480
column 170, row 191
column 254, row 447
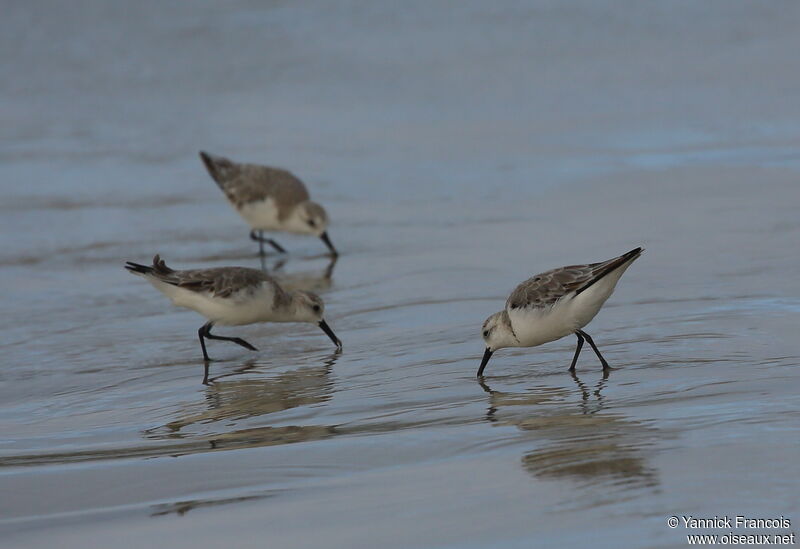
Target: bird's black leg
column 595, row 349
column 205, row 372
column 237, row 340
column 259, row 237
column 201, row 333
column 577, row 351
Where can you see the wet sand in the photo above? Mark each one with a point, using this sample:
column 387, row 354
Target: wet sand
column 476, row 147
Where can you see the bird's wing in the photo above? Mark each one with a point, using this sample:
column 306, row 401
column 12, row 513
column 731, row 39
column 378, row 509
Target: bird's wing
column 217, row 282
column 545, row 289
column 253, row 183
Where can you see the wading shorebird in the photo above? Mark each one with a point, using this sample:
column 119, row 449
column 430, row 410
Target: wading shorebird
column 554, row 304
column 233, row 296
column 268, row 199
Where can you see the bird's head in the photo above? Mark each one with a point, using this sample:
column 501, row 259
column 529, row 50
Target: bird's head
column 309, row 307
column 497, row 334
column 311, row 218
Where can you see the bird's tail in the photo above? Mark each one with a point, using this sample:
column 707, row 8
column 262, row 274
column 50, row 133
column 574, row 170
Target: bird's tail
column 159, row 267
column 628, row 256
column 219, row 168
column 610, row 266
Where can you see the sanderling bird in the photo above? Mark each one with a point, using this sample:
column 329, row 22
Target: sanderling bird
column 233, row 296
column 269, row 199
column 554, row 304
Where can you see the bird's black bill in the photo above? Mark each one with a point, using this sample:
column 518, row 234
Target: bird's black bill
column 486, row 356
column 329, row 332
column 326, row 239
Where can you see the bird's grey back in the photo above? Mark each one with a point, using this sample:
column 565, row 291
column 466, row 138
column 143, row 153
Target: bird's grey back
column 545, row 289
column 220, row 282
column 246, row 183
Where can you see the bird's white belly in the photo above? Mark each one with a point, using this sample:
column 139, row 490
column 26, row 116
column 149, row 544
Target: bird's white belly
column 535, row 327
column 261, row 215
column 585, row 306
column 228, row 311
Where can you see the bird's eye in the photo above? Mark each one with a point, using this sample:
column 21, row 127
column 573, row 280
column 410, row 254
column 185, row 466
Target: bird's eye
column 312, row 223
column 486, row 333
column 316, row 308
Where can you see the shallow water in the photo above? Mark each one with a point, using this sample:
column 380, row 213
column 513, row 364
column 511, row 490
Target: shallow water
column 459, row 148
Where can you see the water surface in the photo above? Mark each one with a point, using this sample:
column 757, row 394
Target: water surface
column 459, row 148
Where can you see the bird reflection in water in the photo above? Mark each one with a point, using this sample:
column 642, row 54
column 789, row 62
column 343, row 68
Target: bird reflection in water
column 315, row 281
column 244, row 401
column 586, row 405
column 180, row 508
column 537, row 395
column 582, row 444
